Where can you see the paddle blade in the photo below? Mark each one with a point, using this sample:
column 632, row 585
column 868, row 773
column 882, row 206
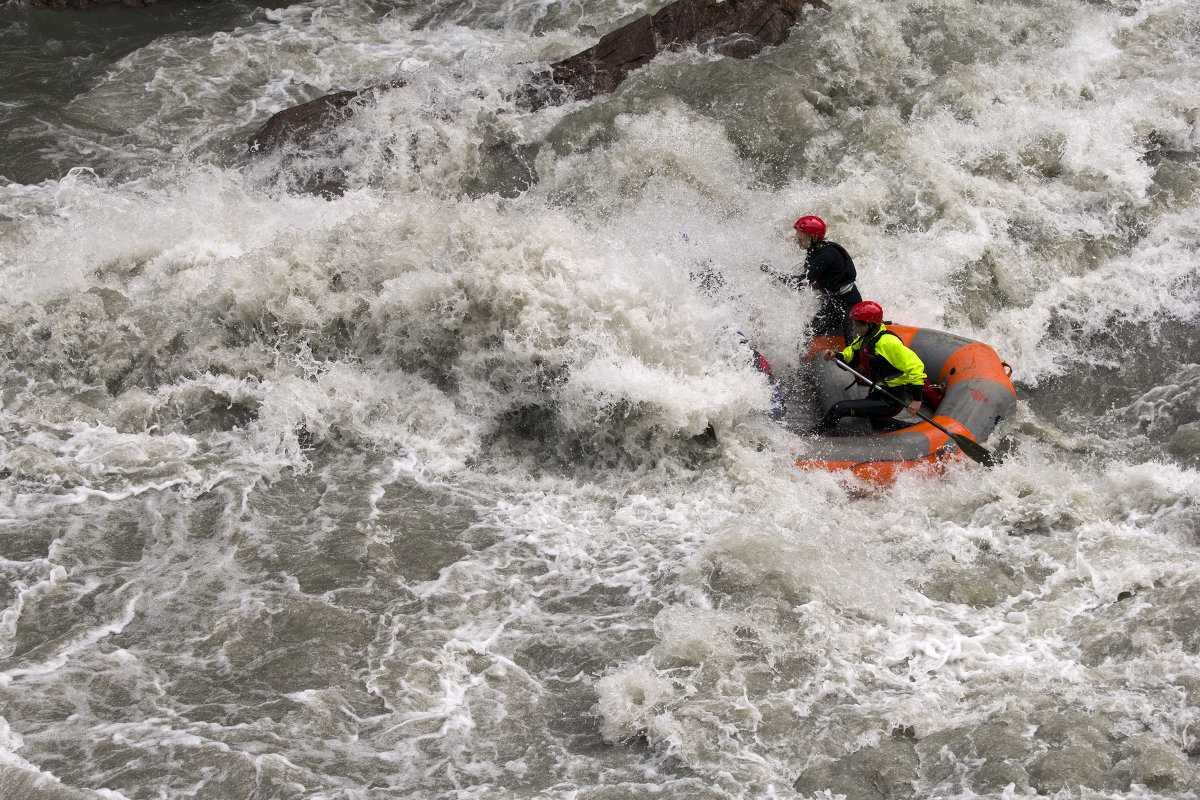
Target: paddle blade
column 974, row 450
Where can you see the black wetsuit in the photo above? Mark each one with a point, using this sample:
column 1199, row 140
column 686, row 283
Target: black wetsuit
column 829, row 269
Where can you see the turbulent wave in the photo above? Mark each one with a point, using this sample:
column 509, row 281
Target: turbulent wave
column 461, row 483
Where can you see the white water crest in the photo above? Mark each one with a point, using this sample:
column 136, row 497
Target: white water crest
column 461, row 484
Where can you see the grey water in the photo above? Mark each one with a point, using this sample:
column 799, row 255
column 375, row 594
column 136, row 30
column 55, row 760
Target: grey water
column 406, row 493
column 49, row 56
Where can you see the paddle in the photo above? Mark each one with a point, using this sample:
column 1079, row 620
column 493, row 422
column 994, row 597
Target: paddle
column 972, row 448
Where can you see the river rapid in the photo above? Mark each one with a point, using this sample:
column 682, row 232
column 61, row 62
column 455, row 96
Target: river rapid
column 410, row 492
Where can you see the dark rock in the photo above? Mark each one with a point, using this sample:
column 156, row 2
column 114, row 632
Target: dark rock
column 304, row 129
column 302, row 125
column 739, row 29
column 735, row 28
column 305, row 124
column 601, row 67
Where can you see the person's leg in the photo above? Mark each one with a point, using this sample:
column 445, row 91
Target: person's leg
column 873, row 407
column 844, row 304
column 880, row 410
column 828, row 319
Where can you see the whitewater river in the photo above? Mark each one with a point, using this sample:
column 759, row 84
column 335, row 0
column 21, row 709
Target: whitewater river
column 406, row 493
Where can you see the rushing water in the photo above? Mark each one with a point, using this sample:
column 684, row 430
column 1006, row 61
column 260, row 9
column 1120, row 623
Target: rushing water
column 406, row 493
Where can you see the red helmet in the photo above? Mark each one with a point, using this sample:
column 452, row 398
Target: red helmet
column 867, row 311
column 813, row 226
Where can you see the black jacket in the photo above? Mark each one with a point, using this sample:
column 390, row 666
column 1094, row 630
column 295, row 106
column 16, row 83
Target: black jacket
column 829, row 266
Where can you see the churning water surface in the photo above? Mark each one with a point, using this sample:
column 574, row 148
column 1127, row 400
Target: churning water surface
column 406, row 493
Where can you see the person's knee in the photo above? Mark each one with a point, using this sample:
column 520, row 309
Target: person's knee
column 827, row 422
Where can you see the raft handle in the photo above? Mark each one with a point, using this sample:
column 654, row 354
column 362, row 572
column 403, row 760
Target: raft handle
column 1007, row 368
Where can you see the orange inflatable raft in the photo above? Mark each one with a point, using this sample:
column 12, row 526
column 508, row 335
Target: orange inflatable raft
column 978, row 394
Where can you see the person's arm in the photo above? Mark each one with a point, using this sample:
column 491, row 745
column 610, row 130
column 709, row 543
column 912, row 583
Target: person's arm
column 790, row 281
column 846, row 356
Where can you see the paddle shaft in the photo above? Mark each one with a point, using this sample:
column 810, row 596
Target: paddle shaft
column 972, row 448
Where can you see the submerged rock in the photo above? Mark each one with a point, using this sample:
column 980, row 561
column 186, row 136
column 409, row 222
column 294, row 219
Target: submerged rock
column 1185, row 443
column 1071, row 768
column 1154, row 764
column 887, row 771
column 303, row 124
